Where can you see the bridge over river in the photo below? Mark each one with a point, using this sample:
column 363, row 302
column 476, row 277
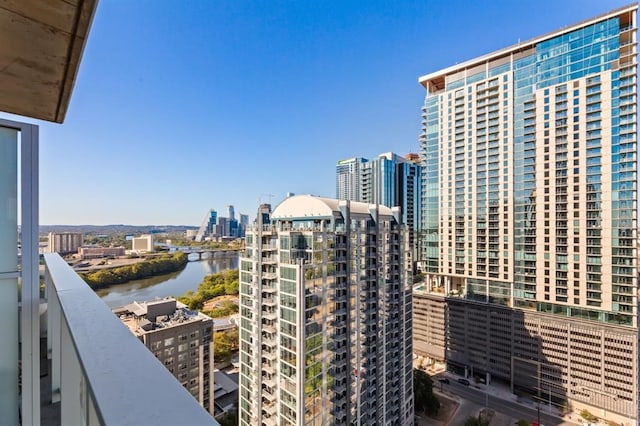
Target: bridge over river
column 203, row 252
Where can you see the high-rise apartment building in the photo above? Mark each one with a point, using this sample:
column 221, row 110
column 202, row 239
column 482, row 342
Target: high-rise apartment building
column 180, row 338
column 325, row 304
column 348, row 178
column 64, row 242
column 378, row 180
column 530, row 213
column 408, row 195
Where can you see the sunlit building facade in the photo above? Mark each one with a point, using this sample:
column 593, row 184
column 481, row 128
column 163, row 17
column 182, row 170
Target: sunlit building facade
column 348, row 186
column 530, row 213
column 64, row 242
column 325, row 305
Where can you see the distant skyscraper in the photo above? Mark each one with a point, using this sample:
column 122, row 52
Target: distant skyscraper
column 389, row 180
column 348, row 180
column 378, row 180
column 408, row 196
column 212, row 222
column 530, row 216
column 244, row 222
column 208, row 226
column 232, row 212
column 233, row 228
column 325, row 305
column 222, row 227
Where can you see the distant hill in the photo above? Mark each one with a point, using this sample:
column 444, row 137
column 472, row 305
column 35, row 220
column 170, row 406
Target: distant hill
column 116, row 229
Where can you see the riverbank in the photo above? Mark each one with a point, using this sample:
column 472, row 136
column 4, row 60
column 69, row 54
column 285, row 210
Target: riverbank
column 211, row 287
column 158, row 265
column 173, row 284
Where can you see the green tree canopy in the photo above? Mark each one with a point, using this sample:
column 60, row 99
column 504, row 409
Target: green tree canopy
column 157, row 265
column 212, row 286
column 224, row 344
column 474, row 421
column 424, row 398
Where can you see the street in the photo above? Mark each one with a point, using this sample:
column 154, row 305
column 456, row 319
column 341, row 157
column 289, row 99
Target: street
column 512, row 409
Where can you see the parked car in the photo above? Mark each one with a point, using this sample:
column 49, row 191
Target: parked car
column 463, row 382
column 444, row 380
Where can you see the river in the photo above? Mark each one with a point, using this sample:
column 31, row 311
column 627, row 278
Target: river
column 174, row 284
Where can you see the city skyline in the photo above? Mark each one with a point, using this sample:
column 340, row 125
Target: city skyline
column 165, row 92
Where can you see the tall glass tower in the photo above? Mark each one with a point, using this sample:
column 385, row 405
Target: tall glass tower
column 388, row 179
column 529, row 213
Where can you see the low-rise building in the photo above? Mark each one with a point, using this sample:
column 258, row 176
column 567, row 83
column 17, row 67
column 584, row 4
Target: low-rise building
column 429, row 315
column 180, row 338
column 225, row 393
column 96, row 252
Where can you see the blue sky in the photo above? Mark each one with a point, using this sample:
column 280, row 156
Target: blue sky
column 182, row 106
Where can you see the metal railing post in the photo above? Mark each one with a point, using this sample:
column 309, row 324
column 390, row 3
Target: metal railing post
column 30, row 303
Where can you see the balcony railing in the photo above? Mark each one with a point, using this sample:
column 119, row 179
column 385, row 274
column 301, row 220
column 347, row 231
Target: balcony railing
column 100, row 372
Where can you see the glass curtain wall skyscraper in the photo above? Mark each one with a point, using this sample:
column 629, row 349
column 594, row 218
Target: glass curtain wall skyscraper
column 379, row 180
column 325, row 306
column 529, row 203
column 390, row 180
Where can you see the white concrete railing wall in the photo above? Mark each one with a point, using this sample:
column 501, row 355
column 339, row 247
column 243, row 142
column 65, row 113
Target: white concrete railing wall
column 101, row 373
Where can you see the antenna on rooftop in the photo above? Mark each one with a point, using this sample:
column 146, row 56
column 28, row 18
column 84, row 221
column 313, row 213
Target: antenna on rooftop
column 266, row 195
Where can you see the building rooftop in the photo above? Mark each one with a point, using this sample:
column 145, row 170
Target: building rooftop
column 222, row 384
column 434, row 81
column 310, row 206
column 145, row 317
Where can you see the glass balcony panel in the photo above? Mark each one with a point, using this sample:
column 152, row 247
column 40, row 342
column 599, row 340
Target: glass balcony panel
column 8, row 275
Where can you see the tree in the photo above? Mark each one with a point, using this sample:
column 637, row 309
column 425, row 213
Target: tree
column 230, row 419
column 475, row 421
column 585, row 414
column 155, row 266
column 222, row 347
column 227, row 308
column 212, row 286
column 522, row 423
column 424, row 398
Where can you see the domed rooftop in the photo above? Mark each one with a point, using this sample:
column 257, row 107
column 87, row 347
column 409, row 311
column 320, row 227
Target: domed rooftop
column 301, row 206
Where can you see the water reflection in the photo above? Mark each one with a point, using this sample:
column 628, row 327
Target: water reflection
column 174, row 284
